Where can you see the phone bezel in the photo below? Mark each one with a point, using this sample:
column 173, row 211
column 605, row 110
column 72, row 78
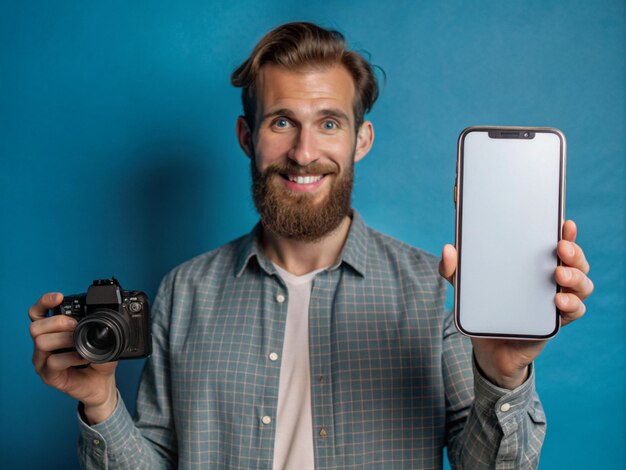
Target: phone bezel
column 458, row 193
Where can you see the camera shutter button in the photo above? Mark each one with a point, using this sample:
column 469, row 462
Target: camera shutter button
column 135, row 307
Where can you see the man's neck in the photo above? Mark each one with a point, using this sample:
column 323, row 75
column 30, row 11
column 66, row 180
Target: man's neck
column 299, row 257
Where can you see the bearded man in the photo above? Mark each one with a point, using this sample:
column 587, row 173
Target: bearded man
column 314, row 341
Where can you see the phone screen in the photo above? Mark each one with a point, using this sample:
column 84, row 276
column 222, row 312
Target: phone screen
column 510, row 199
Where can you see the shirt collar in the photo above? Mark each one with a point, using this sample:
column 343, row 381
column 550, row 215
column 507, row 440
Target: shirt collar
column 353, row 253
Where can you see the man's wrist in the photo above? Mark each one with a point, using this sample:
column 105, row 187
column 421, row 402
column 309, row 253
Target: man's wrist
column 512, row 382
column 100, row 413
column 509, row 381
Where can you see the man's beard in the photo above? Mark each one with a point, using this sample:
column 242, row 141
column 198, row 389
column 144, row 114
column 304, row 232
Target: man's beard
column 297, row 216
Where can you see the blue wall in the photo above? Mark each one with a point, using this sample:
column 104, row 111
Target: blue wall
column 118, row 156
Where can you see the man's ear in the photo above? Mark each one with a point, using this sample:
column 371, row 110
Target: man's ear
column 244, row 135
column 364, row 140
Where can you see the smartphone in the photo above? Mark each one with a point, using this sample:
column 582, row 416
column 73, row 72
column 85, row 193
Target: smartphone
column 510, row 198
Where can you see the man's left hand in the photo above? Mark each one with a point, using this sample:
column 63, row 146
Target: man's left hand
column 505, row 362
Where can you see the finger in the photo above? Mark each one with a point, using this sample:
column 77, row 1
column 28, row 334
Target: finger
column 46, row 302
column 53, row 341
column 448, row 263
column 47, row 326
column 57, row 373
column 574, row 280
column 47, row 343
column 569, row 231
column 39, row 360
column 59, row 362
column 570, row 306
column 54, row 324
column 572, row 255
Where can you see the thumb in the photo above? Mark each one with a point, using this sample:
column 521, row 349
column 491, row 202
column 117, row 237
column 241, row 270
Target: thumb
column 447, row 265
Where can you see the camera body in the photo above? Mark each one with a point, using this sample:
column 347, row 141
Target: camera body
column 112, row 323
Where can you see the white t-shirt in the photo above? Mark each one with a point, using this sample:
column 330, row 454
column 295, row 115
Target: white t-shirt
column 293, row 448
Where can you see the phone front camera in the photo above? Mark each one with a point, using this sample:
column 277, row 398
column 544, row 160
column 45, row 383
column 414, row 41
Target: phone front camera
column 526, row 134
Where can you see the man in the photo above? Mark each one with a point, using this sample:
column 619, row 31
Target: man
column 314, row 341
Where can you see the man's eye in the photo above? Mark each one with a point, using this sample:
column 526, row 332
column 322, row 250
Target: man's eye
column 329, row 125
column 281, row 123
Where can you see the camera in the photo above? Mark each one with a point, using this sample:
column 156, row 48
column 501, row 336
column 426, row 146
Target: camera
column 112, row 323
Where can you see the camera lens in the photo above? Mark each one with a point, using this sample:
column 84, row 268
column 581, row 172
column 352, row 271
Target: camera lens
column 102, row 336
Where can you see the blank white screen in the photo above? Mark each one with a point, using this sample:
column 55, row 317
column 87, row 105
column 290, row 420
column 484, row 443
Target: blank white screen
column 509, row 232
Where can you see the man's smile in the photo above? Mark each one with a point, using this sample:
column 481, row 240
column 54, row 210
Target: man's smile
column 305, row 179
column 307, row 182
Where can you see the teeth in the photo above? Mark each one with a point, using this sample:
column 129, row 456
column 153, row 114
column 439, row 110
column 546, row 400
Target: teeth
column 305, row 179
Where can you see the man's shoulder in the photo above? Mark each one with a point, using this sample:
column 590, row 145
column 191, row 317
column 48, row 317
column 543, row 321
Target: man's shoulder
column 385, row 249
column 211, row 265
column 390, row 243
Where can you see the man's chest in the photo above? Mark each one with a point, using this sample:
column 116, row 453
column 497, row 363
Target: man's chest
column 364, row 338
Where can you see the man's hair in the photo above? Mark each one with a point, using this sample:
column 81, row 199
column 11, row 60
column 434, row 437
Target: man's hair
column 302, row 46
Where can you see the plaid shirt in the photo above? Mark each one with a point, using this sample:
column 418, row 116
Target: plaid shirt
column 392, row 380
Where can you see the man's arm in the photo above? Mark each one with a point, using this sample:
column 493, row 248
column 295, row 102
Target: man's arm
column 505, row 362
column 150, row 441
column 109, row 438
column 487, row 426
column 503, row 375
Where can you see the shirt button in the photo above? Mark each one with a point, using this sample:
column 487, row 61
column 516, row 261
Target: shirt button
column 266, row 420
column 96, row 442
column 323, row 432
column 273, row 356
column 280, row 298
column 505, row 407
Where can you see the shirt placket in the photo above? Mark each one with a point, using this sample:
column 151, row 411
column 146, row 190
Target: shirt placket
column 320, row 319
column 274, row 318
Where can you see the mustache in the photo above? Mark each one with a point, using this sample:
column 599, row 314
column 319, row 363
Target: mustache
column 293, row 168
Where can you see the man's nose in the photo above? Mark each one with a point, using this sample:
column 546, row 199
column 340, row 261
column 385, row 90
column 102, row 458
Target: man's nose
column 304, row 149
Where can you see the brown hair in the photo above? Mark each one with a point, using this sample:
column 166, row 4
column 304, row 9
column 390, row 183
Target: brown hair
column 299, row 46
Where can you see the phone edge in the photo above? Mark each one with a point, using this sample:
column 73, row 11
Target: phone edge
column 458, row 198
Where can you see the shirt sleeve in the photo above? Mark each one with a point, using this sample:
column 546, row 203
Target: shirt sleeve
column 149, row 441
column 488, row 426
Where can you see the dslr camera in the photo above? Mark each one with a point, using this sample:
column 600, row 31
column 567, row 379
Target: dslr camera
column 112, row 323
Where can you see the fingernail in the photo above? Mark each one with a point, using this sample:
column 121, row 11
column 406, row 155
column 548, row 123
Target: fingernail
column 564, row 299
column 571, row 251
column 566, row 273
column 53, row 297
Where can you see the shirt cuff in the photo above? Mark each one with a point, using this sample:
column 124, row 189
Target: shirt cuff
column 506, row 404
column 98, row 441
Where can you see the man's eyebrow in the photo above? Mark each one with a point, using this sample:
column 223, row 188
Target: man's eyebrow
column 279, row 112
column 334, row 112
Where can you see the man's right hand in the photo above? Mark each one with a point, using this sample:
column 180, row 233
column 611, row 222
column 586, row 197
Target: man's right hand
column 93, row 385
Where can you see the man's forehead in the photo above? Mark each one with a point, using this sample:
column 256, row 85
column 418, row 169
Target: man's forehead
column 278, row 84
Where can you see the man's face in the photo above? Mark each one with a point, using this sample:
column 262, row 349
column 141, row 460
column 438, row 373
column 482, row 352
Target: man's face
column 303, row 149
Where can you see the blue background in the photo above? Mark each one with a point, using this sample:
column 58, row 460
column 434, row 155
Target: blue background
column 118, row 156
